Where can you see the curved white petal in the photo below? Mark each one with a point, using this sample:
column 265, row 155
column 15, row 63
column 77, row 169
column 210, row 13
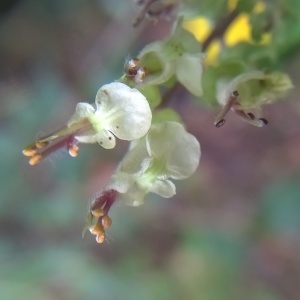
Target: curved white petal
column 164, row 188
column 121, row 182
column 137, row 158
column 134, row 196
column 156, row 60
column 105, row 138
column 189, row 72
column 171, row 144
column 225, row 87
column 123, row 111
column 83, row 110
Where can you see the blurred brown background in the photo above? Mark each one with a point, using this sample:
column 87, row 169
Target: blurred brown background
column 231, row 232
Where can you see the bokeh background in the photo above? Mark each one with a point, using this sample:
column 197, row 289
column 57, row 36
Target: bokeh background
column 231, row 232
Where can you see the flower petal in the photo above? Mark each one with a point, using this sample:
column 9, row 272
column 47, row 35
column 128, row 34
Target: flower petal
column 156, row 59
column 225, row 87
column 123, row 111
column 255, row 88
column 171, row 144
column 137, row 158
column 164, row 188
column 121, row 182
column 135, row 195
column 83, row 110
column 189, row 72
column 105, row 138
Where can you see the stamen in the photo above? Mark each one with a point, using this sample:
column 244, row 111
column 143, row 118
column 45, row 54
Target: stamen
column 219, row 121
column 29, row 152
column 100, row 238
column 98, row 212
column 264, row 121
column 97, row 229
column 73, row 150
column 251, row 116
column 255, row 122
column 35, row 159
column 106, row 221
column 132, row 66
column 40, row 144
column 140, row 75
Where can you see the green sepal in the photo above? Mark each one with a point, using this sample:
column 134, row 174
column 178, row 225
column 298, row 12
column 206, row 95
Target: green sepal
column 152, row 94
column 166, row 114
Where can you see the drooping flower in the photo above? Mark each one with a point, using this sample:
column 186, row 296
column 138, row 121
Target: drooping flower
column 178, row 55
column 248, row 91
column 167, row 152
column 119, row 111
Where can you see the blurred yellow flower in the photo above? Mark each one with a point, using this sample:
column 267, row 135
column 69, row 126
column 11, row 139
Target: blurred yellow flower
column 238, row 31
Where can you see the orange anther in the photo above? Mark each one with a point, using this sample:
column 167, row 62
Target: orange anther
column 35, row 159
column 40, row 144
column 100, row 238
column 98, row 212
column 97, row 229
column 29, row 152
column 106, row 221
column 73, row 150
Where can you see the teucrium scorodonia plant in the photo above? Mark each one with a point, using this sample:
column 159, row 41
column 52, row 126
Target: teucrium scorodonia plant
column 162, row 150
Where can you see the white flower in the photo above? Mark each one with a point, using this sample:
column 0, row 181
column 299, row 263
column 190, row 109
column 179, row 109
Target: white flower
column 167, row 151
column 250, row 90
column 120, row 111
column 255, row 88
column 177, row 55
